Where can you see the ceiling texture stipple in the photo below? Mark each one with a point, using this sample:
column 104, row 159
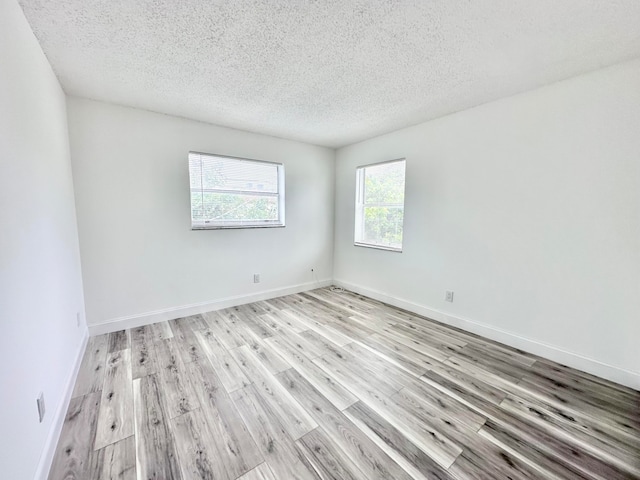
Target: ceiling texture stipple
column 325, row 72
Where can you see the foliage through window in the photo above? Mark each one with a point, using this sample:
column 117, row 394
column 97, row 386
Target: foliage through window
column 228, row 192
column 380, row 205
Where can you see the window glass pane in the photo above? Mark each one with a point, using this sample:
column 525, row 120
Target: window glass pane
column 384, row 183
column 383, row 226
column 379, row 212
column 232, row 192
column 194, row 172
column 239, row 175
column 233, row 206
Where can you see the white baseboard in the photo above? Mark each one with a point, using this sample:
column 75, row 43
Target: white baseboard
column 147, row 318
column 564, row 357
column 46, row 458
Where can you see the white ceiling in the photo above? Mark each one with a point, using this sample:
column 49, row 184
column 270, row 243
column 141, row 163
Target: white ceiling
column 328, row 72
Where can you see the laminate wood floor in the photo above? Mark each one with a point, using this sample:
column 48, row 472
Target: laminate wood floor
column 329, row 385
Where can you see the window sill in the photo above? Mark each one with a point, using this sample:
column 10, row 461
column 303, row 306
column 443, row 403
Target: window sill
column 378, row 247
column 233, row 227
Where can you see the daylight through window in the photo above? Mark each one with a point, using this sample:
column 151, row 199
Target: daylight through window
column 229, row 192
column 380, row 205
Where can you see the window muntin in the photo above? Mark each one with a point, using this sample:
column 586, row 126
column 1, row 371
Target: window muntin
column 380, row 205
column 228, row 192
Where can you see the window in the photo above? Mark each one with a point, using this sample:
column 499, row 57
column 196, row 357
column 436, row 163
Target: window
column 229, row 192
column 380, row 205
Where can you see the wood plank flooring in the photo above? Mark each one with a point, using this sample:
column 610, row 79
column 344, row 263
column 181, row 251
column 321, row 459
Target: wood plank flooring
column 334, row 385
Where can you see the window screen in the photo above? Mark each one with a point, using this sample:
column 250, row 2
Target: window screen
column 380, row 205
column 229, row 192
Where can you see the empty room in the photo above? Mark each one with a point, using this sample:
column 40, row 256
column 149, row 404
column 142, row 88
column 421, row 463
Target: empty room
column 293, row 239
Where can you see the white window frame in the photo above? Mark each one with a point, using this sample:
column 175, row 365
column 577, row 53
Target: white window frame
column 213, row 224
column 360, row 207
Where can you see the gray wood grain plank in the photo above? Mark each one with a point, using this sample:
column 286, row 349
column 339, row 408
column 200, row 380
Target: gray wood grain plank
column 332, row 390
column 341, row 302
column 236, row 449
column 261, row 472
column 278, row 320
column 360, row 356
column 398, row 354
column 177, row 390
column 504, row 382
column 430, row 436
column 546, row 441
column 446, row 345
column 253, row 309
column 293, row 417
column 186, row 342
column 195, row 322
column 546, row 465
column 283, row 456
column 330, row 462
column 322, row 343
column 309, row 349
column 223, row 331
column 160, row 331
column 115, row 419
column 565, row 373
column 91, row 374
column 487, row 460
column 197, row 448
column 557, row 393
column 73, row 456
column 433, row 400
column 155, row 448
column 483, row 389
column 364, row 453
column 143, row 355
column 268, row 356
column 114, row 462
column 492, row 364
column 410, row 341
column 230, row 373
column 290, row 317
column 352, row 329
column 119, row 340
column 600, row 445
column 403, row 451
column 325, row 330
column 251, row 321
column 357, row 378
column 438, row 337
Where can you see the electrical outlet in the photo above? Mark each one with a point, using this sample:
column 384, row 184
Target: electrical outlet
column 256, row 278
column 40, row 403
column 449, row 296
column 78, row 319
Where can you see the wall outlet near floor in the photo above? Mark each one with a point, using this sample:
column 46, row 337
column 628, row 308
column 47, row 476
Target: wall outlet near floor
column 256, row 278
column 40, row 403
column 448, row 296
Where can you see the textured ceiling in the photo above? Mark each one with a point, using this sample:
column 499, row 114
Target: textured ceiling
column 325, row 72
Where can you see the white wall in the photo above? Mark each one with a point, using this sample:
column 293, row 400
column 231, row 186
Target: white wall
column 40, row 280
column 141, row 260
column 529, row 209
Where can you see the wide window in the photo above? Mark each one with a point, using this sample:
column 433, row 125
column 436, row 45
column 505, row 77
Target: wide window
column 380, row 205
column 228, row 192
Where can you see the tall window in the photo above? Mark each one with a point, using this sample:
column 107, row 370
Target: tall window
column 229, row 192
column 380, row 205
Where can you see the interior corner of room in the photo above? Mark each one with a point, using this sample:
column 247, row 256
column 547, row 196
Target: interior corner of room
column 527, row 206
